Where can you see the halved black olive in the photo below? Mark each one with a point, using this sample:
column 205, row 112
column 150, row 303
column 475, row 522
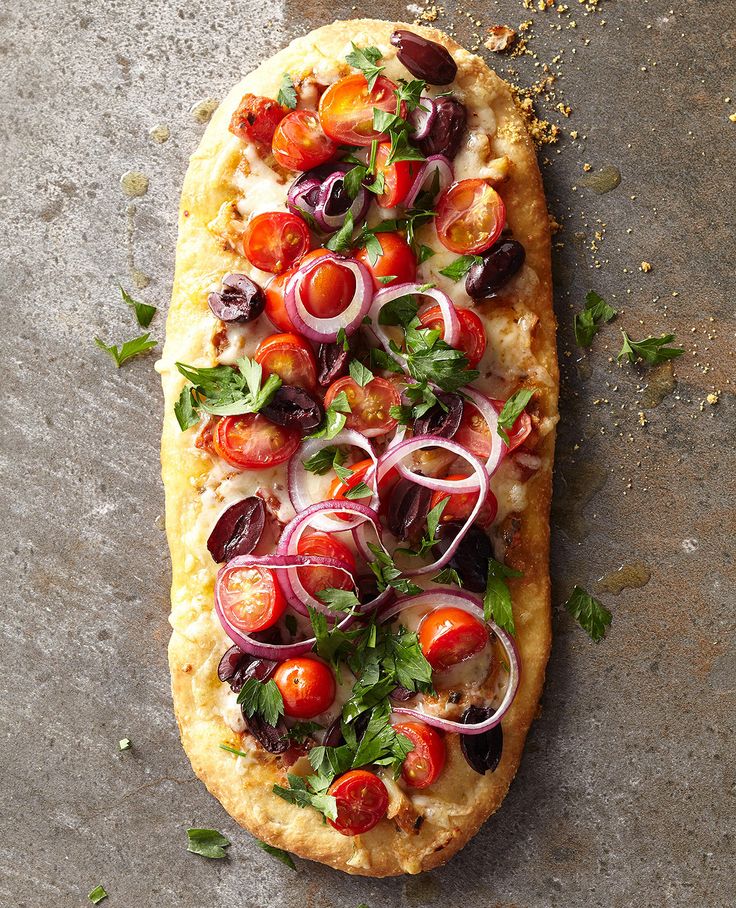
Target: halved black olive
column 471, row 558
column 447, row 129
column 295, row 408
column 483, row 752
column 334, row 736
column 230, row 663
column 441, row 422
column 401, row 694
column 500, row 263
column 423, row 58
column 274, row 740
column 409, row 508
column 333, row 362
column 238, row 530
column 239, row 300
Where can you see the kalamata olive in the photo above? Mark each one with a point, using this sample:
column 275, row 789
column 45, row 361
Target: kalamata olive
column 230, row 663
column 238, row 530
column 334, row 736
column 437, row 421
column 401, row 694
column 295, row 408
column 483, row 752
column 423, row 58
column 333, row 362
column 500, row 263
column 409, row 508
column 239, row 300
column 471, row 558
column 447, row 129
column 274, row 740
column 249, row 667
column 367, row 587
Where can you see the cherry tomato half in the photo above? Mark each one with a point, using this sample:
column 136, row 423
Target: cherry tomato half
column 461, row 504
column 346, row 109
column 290, row 357
column 449, row 635
column 275, row 306
column 252, row 442
column 369, row 406
column 362, row 801
column 307, row 686
column 274, row 240
column 470, row 217
column 251, row 598
column 299, row 142
column 327, row 288
column 475, row 435
column 398, row 178
column 397, row 261
column 340, row 488
column 472, row 340
column 423, row 765
column 256, row 119
column 316, row 579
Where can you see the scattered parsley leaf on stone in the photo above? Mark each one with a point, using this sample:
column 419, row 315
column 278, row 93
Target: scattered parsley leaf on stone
column 207, row 842
column 597, row 312
column 143, row 312
column 651, row 349
column 590, row 614
column 277, row 853
column 128, row 350
column 97, row 895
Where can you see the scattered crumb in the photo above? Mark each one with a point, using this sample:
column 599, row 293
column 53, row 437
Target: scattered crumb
column 732, row 117
column 587, row 167
column 713, row 398
column 645, row 267
column 642, row 418
column 501, row 38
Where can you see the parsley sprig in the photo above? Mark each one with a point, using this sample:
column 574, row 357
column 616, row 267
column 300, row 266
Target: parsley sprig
column 512, row 410
column 128, row 349
column 497, row 599
column 263, row 698
column 223, row 391
column 653, row 350
column 334, row 421
column 287, row 92
column 460, row 267
column 587, row 323
column 365, row 59
column 590, row 614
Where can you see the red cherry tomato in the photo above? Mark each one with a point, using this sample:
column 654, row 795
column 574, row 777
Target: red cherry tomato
column 346, row 109
column 252, row 442
column 472, row 334
column 397, row 261
column 299, row 142
column 474, row 434
column 449, row 635
column 275, row 306
column 423, row 765
column 274, row 240
column 362, row 802
column 290, row 357
column 340, row 488
column 470, row 217
column 328, row 288
column 461, row 504
column 256, row 119
column 307, row 686
column 315, row 579
column 369, row 406
column 251, row 598
column 398, row 178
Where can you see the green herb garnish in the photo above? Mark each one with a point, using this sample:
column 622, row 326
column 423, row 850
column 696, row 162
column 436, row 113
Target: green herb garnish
column 460, row 267
column 512, row 410
column 97, row 895
column 597, row 312
column 207, row 842
column 287, row 92
column 263, row 698
column 360, row 373
column 497, row 599
column 590, row 614
column 277, row 853
column 128, row 350
column 652, row 349
column 143, row 312
column 365, row 60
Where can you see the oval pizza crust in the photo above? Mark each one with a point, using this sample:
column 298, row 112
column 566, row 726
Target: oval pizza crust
column 454, row 808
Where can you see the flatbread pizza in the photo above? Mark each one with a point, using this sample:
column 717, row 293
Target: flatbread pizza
column 361, row 385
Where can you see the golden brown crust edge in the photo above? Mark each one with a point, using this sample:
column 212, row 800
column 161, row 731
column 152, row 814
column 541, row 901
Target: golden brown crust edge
column 244, row 790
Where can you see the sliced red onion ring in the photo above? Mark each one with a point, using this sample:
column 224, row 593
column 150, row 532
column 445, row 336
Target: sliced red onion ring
column 290, row 583
column 388, row 294
column 298, row 477
column 325, row 329
column 333, row 204
column 472, row 604
column 303, row 196
column 393, row 457
column 489, row 413
column 423, row 116
column 275, row 651
column 438, row 164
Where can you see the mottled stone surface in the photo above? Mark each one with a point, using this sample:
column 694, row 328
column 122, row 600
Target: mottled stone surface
column 626, row 793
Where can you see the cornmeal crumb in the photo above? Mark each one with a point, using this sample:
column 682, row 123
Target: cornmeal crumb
column 501, row 37
column 713, row 398
column 645, row 267
column 732, row 118
column 587, row 167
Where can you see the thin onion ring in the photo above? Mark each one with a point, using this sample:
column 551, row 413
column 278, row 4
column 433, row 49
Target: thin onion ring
column 388, row 294
column 438, row 163
column 471, row 604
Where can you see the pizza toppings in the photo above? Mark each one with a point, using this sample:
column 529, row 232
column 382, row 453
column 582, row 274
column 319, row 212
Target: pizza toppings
column 238, row 529
column 423, row 58
column 338, row 654
column 239, row 299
